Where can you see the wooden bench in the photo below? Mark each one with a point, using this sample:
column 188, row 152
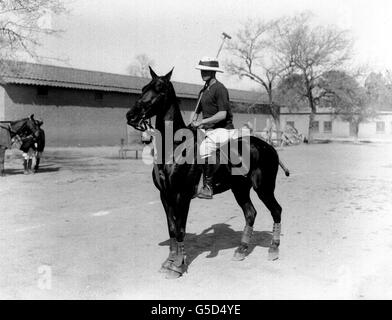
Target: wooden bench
column 122, row 153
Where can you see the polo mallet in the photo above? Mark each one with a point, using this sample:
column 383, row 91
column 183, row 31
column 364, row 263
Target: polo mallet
column 225, row 36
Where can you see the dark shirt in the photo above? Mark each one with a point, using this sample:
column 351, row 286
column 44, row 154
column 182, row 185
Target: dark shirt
column 216, row 98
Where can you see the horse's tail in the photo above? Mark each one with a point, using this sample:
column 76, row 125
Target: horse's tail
column 284, row 168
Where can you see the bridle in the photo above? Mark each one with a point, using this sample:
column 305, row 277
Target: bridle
column 144, row 122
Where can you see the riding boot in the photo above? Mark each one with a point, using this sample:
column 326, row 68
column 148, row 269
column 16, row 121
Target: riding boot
column 25, row 166
column 208, row 172
column 29, row 163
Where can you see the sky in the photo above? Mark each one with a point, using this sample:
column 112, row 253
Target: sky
column 106, row 35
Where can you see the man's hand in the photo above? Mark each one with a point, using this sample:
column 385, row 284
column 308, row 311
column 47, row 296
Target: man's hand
column 197, row 124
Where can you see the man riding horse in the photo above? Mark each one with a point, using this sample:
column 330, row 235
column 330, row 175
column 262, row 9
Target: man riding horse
column 217, row 122
column 178, row 180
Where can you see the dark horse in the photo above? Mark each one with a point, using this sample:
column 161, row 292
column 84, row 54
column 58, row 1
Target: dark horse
column 14, row 132
column 177, row 182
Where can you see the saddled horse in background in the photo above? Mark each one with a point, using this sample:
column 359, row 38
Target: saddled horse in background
column 13, row 132
column 32, row 148
column 177, row 182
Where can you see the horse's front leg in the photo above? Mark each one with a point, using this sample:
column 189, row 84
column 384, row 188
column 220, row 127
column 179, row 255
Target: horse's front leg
column 181, row 208
column 169, row 210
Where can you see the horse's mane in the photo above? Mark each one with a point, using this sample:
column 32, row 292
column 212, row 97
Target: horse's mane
column 173, row 93
column 16, row 121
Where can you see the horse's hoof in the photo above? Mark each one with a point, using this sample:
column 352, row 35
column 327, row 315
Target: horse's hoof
column 273, row 253
column 163, row 269
column 174, row 271
column 171, row 274
column 240, row 255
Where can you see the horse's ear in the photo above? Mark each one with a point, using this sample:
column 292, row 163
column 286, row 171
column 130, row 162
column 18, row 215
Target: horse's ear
column 153, row 74
column 168, row 76
column 32, row 116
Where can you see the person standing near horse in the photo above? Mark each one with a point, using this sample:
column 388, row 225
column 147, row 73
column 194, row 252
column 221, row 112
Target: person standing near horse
column 217, row 122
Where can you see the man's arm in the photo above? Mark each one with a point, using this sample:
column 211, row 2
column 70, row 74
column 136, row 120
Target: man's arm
column 219, row 116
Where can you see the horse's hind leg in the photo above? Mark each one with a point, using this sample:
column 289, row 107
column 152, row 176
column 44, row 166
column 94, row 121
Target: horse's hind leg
column 2, row 156
column 241, row 193
column 264, row 187
column 37, row 158
column 276, row 210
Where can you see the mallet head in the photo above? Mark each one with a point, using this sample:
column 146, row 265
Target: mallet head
column 225, row 35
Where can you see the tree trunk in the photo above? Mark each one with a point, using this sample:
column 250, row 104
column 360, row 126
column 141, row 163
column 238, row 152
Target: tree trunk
column 356, row 131
column 311, row 115
column 275, row 112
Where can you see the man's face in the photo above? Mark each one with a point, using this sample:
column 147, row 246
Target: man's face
column 207, row 75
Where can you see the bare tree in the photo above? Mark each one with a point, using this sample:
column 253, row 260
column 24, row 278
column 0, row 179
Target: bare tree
column 379, row 89
column 348, row 100
column 311, row 51
column 139, row 67
column 23, row 22
column 253, row 58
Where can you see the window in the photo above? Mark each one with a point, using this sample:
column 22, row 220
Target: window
column 315, row 126
column 380, row 126
column 42, row 91
column 327, row 126
column 98, row 95
column 290, row 123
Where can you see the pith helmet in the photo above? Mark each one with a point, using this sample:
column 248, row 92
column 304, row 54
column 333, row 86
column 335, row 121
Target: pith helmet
column 209, row 64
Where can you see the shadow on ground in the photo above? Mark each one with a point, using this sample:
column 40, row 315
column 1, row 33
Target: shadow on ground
column 11, row 172
column 219, row 237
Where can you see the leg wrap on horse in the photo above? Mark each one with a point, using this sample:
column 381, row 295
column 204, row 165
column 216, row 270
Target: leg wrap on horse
column 242, row 251
column 247, row 234
column 180, row 259
column 273, row 251
column 172, row 254
column 178, row 266
column 276, row 233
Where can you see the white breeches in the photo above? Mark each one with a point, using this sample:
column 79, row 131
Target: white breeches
column 215, row 138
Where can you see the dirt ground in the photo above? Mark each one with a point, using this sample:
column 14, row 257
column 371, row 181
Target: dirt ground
column 91, row 226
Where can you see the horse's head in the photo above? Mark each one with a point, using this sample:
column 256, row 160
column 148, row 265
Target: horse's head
column 151, row 102
column 26, row 126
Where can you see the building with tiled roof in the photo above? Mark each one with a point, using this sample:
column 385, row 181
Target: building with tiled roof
column 54, row 76
column 81, row 107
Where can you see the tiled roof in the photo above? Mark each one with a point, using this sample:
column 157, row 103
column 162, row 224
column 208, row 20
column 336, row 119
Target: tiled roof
column 54, row 76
